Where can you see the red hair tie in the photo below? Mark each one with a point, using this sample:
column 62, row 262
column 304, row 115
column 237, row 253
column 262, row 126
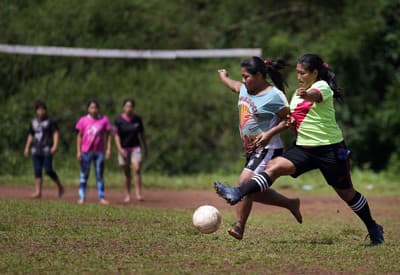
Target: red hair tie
column 267, row 62
column 325, row 65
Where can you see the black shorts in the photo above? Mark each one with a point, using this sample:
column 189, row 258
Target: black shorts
column 332, row 160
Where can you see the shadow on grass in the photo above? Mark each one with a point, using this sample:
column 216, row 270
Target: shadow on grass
column 362, row 244
column 306, row 241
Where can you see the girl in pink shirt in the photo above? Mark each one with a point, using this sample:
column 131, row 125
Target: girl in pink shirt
column 92, row 128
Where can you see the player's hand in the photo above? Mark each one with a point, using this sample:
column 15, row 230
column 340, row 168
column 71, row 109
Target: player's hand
column 53, row 150
column 223, row 73
column 290, row 122
column 26, row 152
column 301, row 92
column 283, row 123
column 262, row 140
column 122, row 152
column 108, row 154
column 79, row 156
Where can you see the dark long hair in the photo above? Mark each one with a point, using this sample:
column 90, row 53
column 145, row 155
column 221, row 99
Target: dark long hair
column 313, row 62
column 267, row 68
column 95, row 102
column 130, row 100
column 40, row 104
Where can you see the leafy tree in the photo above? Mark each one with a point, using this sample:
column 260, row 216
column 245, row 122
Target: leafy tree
column 191, row 119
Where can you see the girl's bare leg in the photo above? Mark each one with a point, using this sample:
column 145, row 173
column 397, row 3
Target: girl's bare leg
column 38, row 189
column 270, row 197
column 138, row 180
column 243, row 208
column 128, row 177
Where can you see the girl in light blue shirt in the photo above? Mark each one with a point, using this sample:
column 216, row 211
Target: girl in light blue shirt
column 263, row 109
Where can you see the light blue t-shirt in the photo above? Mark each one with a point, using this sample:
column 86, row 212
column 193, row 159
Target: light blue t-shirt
column 258, row 113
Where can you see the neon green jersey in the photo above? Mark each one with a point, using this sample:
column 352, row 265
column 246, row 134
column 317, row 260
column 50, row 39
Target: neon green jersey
column 315, row 121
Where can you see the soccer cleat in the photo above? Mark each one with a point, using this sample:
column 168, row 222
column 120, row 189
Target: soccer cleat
column 230, row 194
column 376, row 235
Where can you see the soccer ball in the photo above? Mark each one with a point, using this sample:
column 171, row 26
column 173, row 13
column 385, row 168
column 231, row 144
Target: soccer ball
column 207, row 219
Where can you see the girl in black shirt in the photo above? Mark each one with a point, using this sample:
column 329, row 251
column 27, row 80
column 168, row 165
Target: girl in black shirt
column 131, row 144
column 43, row 141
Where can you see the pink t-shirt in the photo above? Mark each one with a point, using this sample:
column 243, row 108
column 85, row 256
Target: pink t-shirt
column 93, row 131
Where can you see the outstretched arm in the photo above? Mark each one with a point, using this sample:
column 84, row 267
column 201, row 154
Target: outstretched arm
column 234, row 85
column 313, row 95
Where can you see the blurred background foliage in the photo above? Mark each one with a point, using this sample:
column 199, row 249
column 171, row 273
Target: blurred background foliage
column 190, row 118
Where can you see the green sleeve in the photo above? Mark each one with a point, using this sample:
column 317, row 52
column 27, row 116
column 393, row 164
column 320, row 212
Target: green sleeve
column 324, row 89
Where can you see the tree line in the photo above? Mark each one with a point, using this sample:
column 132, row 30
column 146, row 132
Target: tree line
column 190, row 119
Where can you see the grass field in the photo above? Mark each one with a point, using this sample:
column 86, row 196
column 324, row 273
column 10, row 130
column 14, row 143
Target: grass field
column 60, row 237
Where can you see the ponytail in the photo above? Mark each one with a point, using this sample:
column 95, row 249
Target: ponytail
column 267, row 68
column 313, row 62
column 273, row 67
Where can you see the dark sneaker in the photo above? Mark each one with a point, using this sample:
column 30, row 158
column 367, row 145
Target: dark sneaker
column 230, row 194
column 376, row 235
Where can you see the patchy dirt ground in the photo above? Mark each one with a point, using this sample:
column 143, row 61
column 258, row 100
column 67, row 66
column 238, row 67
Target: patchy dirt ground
column 162, row 198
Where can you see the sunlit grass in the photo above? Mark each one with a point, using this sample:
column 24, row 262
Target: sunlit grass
column 59, row 237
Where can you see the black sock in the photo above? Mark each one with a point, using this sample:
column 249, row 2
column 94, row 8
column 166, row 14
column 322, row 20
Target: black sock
column 258, row 183
column 360, row 206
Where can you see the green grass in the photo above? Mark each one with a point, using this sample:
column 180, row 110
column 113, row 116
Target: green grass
column 368, row 182
column 59, row 237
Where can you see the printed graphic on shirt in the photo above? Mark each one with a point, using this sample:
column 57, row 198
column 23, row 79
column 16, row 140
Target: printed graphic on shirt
column 257, row 114
column 93, row 131
column 42, row 133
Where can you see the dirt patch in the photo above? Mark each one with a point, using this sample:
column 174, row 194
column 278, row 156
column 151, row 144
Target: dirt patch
column 183, row 199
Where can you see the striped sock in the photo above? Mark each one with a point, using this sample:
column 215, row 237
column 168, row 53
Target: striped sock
column 359, row 205
column 258, row 183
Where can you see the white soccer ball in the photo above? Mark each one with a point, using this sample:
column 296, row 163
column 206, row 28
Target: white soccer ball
column 207, row 219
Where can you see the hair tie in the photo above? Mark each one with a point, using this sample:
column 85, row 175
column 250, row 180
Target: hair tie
column 267, row 62
column 326, row 65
